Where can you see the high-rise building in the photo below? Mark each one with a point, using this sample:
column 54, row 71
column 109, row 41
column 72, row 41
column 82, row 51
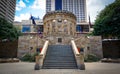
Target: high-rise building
column 7, row 9
column 78, row 7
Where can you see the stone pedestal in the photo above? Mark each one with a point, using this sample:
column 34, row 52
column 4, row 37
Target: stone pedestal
column 37, row 67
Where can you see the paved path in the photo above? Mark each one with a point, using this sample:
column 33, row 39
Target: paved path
column 28, row 68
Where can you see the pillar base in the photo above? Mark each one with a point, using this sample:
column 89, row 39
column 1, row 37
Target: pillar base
column 81, row 66
column 37, row 67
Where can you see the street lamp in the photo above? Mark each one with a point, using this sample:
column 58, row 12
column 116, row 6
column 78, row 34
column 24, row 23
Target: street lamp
column 31, row 37
column 65, row 26
column 65, row 20
column 54, row 21
column 53, row 25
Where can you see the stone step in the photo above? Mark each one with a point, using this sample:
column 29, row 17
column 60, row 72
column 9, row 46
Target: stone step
column 59, row 67
column 60, row 64
column 59, row 57
column 52, row 61
column 56, row 56
column 49, row 58
column 55, row 59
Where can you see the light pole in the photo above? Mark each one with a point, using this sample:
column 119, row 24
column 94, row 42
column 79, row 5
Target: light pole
column 29, row 42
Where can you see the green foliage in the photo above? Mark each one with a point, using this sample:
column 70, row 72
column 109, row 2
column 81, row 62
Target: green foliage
column 108, row 21
column 29, row 58
column 26, row 57
column 91, row 58
column 8, row 31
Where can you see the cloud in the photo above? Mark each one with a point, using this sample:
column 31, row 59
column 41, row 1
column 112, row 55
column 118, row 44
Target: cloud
column 95, row 6
column 38, row 4
column 27, row 1
column 20, row 5
column 25, row 16
column 38, row 8
column 18, row 8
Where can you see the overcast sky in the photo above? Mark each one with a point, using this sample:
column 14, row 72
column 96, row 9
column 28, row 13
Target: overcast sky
column 37, row 8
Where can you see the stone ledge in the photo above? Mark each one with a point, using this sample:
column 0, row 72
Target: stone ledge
column 110, row 60
column 9, row 60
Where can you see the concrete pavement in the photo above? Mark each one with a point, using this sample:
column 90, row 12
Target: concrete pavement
column 28, row 68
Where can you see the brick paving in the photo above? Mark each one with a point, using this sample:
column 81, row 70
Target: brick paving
column 28, row 68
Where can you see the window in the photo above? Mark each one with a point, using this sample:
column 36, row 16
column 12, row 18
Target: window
column 78, row 28
column 26, row 29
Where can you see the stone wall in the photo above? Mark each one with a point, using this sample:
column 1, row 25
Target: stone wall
column 90, row 44
column 8, row 49
column 29, row 44
column 65, row 39
column 81, row 41
column 95, row 46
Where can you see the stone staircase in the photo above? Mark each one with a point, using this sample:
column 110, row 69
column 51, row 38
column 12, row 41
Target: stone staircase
column 59, row 57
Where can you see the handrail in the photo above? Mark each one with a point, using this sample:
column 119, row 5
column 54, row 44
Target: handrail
column 43, row 52
column 79, row 56
column 77, row 39
column 41, row 56
column 75, row 48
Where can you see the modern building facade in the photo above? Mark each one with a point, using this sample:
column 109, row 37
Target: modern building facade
column 7, row 9
column 27, row 27
column 78, row 7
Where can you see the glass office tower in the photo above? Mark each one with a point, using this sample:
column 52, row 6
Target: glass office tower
column 78, row 7
column 7, row 9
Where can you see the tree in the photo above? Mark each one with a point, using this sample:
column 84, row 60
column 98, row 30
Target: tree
column 8, row 31
column 107, row 23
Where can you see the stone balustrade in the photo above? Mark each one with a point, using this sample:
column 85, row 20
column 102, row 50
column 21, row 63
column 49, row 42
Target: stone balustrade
column 79, row 56
column 43, row 52
column 76, row 52
column 41, row 56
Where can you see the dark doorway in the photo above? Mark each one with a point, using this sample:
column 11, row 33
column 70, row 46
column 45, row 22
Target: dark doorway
column 111, row 49
column 59, row 40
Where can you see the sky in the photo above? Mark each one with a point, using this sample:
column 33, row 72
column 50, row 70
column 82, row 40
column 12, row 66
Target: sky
column 26, row 8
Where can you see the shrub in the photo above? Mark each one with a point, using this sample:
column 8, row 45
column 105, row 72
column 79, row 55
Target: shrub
column 91, row 58
column 29, row 58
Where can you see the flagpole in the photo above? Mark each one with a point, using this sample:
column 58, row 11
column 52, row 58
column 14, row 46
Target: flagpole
column 89, row 23
column 29, row 37
column 37, row 37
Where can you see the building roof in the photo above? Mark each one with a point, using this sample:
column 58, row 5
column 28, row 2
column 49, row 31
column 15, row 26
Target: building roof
column 59, row 11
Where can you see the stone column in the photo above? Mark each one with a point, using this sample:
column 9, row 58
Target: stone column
column 53, row 26
column 68, row 28
column 62, row 26
column 45, row 28
column 56, row 27
column 50, row 27
column 73, row 31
